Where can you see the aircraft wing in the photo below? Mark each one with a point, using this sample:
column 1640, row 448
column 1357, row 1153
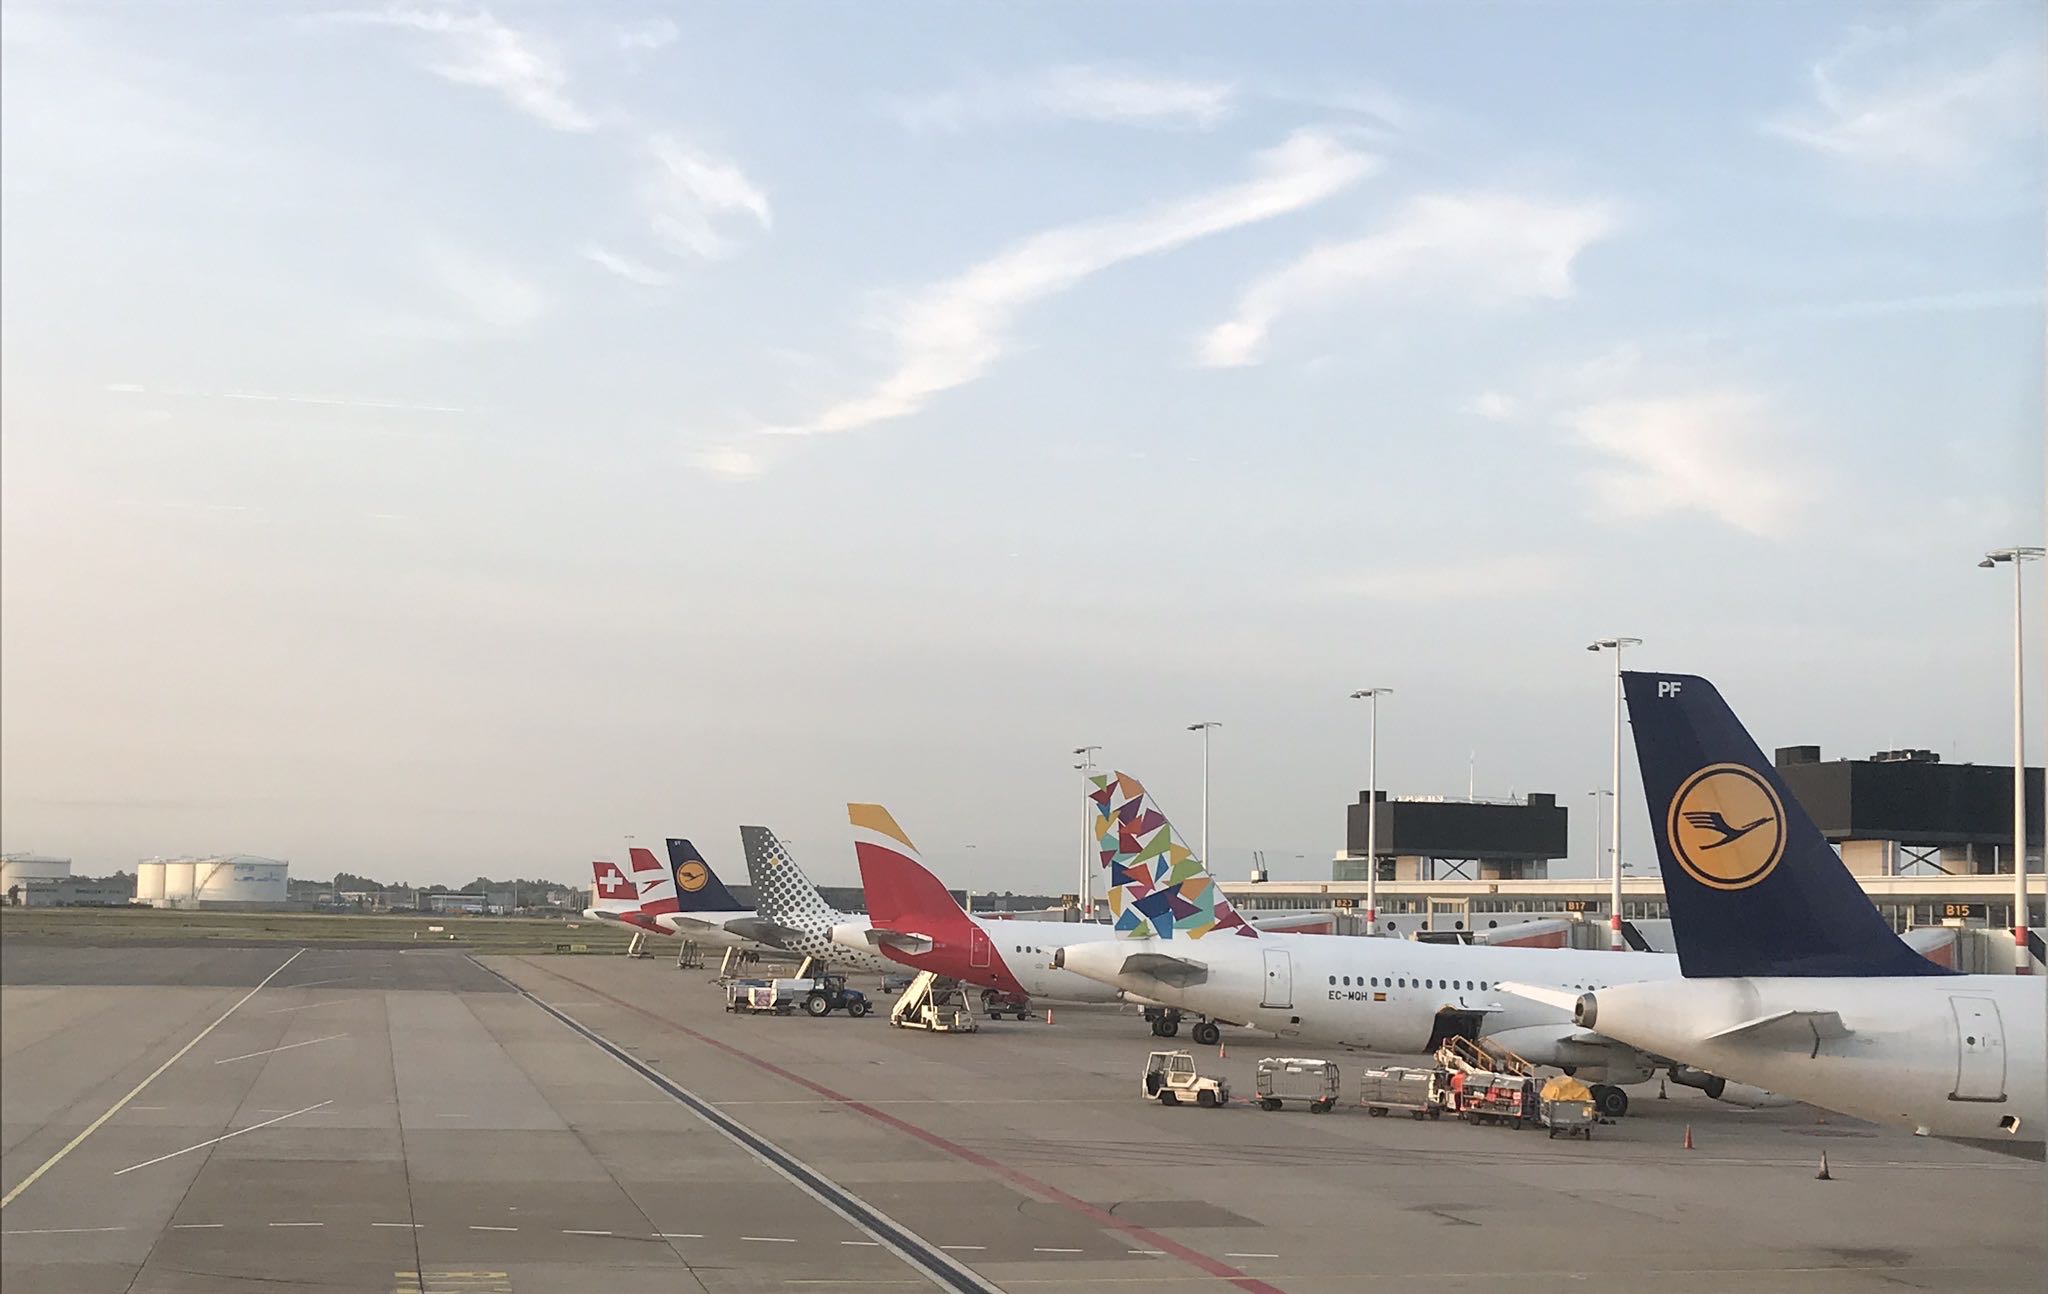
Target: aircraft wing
column 698, row 920
column 1166, row 969
column 903, row 941
column 1562, row 999
column 1786, row 1028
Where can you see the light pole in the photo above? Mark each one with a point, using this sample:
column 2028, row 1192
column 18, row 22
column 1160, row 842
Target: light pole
column 1598, row 796
column 2022, row 959
column 1615, row 645
column 1371, row 696
column 1205, row 728
column 1087, row 894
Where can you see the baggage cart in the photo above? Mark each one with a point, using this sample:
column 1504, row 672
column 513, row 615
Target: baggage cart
column 1291, row 1078
column 1411, row 1091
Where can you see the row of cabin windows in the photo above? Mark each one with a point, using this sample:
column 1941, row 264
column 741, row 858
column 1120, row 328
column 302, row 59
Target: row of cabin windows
column 1403, row 981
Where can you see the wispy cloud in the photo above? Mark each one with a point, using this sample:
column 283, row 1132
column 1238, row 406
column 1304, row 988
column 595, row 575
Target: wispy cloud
column 732, row 462
column 624, row 266
column 476, row 49
column 1886, row 100
column 1719, row 452
column 282, row 397
column 645, row 37
column 1488, row 247
column 951, row 332
column 690, row 195
column 495, row 295
column 1094, row 92
column 1490, row 576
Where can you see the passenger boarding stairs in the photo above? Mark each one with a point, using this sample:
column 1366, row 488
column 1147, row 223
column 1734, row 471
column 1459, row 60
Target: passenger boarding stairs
column 935, row 1003
column 1473, row 1057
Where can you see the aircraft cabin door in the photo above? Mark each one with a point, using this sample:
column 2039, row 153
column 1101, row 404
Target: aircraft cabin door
column 1279, row 979
column 977, row 948
column 1980, row 1050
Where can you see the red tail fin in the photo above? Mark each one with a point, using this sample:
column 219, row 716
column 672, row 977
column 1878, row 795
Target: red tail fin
column 901, row 893
column 657, row 886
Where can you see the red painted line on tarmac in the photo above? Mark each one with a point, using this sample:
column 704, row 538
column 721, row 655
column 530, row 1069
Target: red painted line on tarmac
column 1044, row 1190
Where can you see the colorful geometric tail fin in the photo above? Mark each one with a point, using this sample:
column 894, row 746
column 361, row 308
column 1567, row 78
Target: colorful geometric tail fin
column 901, row 890
column 1157, row 887
column 1753, row 886
column 782, row 893
column 698, row 888
column 657, row 888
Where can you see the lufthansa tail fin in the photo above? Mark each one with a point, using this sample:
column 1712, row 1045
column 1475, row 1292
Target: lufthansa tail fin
column 902, row 893
column 698, row 888
column 1753, row 886
column 1158, row 889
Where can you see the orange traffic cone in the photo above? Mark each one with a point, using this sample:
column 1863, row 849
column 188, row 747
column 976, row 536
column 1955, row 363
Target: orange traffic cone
column 1688, row 1138
column 1823, row 1175
column 1222, row 1049
column 1048, row 1015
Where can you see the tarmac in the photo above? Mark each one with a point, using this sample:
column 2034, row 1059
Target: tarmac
column 237, row 1119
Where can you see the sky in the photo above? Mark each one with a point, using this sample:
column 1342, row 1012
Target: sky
column 442, row 440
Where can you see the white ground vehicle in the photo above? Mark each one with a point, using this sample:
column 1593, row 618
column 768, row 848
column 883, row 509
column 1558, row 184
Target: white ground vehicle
column 1170, row 1079
column 1291, row 1078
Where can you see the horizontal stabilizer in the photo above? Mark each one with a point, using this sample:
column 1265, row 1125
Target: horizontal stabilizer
column 1787, row 1028
column 1562, row 999
column 1167, row 970
column 762, row 930
column 903, row 941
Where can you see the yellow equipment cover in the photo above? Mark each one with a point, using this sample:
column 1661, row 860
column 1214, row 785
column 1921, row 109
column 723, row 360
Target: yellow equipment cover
column 1566, row 1088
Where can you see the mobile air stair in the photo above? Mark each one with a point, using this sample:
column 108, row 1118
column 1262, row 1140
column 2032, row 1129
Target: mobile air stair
column 935, row 1003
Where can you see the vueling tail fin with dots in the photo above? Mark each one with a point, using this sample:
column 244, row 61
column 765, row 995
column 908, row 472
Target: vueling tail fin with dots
column 1754, row 888
column 698, row 888
column 1158, row 889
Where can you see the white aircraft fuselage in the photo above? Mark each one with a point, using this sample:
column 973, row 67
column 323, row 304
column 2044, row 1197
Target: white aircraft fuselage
column 1960, row 1057
column 1388, row 995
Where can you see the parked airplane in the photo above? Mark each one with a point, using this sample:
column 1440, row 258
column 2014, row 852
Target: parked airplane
column 1792, row 978
column 790, row 912
column 912, row 919
column 1388, row 995
column 706, row 912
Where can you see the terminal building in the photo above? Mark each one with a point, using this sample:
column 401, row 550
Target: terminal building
column 1931, row 842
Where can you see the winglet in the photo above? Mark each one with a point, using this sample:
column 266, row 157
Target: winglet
column 1753, row 886
column 1157, row 887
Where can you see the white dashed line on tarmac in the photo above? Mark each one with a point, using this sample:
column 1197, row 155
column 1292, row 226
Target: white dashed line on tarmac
column 62, row 1231
column 274, row 1050
column 217, row 1140
column 678, row 1235
column 771, row 1240
column 865, row 1244
column 1149, row 1253
column 298, row 1224
column 571, row 1231
column 474, row 1227
column 197, row 1226
column 407, row 1226
column 1038, row 1250
column 1251, row 1255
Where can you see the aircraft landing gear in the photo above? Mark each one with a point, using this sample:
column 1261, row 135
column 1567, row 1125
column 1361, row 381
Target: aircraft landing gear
column 1165, row 1020
column 1207, row 1034
column 1610, row 1101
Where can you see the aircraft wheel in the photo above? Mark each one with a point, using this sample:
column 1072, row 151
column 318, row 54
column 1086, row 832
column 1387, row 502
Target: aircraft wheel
column 1207, row 1034
column 1611, row 1101
column 1169, row 1028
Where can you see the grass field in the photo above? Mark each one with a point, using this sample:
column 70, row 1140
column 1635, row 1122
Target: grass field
column 164, row 926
